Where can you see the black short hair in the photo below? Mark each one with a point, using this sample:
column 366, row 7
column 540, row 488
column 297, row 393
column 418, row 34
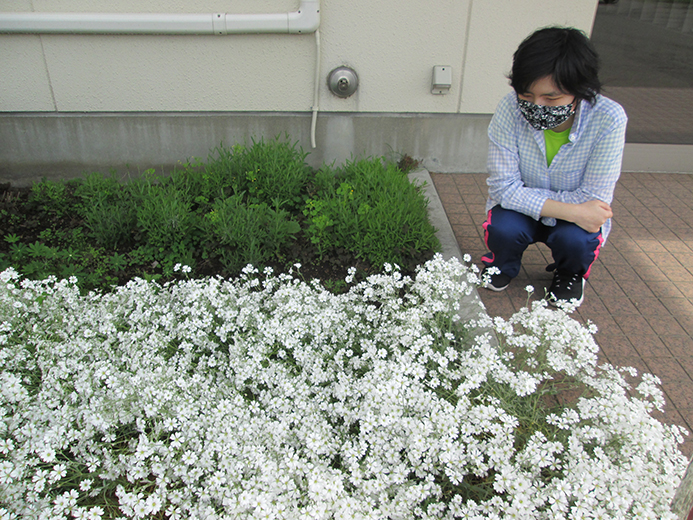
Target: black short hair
column 565, row 54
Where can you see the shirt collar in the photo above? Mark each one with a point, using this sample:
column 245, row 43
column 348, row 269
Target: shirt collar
column 581, row 116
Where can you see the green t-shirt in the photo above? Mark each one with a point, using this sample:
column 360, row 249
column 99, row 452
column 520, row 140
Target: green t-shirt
column 554, row 141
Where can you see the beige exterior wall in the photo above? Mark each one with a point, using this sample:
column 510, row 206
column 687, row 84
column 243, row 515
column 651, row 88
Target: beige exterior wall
column 392, row 44
column 497, row 28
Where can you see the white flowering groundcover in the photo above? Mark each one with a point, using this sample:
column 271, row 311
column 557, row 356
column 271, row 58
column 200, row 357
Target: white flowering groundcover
column 269, row 397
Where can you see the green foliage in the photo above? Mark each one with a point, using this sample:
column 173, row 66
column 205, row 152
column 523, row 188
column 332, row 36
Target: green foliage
column 165, row 217
column 275, row 171
column 371, row 208
column 112, row 224
column 50, row 196
column 248, row 234
column 320, row 225
column 107, row 210
column 38, row 260
column 247, row 204
column 265, row 172
column 98, row 188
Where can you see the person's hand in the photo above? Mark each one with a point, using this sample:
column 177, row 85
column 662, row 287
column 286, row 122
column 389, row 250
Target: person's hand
column 592, row 215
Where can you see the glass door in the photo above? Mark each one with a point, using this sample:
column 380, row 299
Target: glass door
column 646, row 51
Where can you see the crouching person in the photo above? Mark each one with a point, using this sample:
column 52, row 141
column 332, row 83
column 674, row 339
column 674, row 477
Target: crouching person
column 555, row 152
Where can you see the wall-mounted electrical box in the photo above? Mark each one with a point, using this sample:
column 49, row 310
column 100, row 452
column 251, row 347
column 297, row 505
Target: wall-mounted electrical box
column 442, row 79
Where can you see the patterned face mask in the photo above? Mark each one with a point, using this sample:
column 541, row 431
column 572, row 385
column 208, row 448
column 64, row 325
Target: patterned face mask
column 543, row 117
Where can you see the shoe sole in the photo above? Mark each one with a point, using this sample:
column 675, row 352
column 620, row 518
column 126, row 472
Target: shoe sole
column 493, row 288
column 489, row 285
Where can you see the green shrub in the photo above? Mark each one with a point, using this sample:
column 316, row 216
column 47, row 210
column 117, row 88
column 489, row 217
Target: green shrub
column 248, row 234
column 165, row 217
column 265, row 172
column 50, row 196
column 107, row 209
column 371, row 208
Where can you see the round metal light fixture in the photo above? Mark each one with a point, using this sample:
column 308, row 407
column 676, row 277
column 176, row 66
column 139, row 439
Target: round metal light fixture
column 343, row 82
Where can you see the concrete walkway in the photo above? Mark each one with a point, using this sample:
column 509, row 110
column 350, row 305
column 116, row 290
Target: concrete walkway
column 640, row 293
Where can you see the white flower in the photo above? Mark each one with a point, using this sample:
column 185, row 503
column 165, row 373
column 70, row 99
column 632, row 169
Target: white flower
column 6, row 446
column 58, row 472
column 95, row 513
column 237, row 398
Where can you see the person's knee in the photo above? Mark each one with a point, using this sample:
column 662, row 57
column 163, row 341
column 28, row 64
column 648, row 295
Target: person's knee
column 506, row 235
column 572, row 240
column 510, row 227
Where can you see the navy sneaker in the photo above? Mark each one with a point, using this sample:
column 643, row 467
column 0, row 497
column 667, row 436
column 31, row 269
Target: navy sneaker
column 496, row 282
column 566, row 288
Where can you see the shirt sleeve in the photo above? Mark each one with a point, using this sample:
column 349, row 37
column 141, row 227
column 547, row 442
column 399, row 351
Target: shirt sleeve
column 602, row 166
column 505, row 182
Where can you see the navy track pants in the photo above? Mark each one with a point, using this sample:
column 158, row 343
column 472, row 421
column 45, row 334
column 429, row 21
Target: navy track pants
column 508, row 233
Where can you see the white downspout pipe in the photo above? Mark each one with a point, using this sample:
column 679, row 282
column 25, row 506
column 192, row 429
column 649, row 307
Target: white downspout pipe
column 305, row 20
column 316, row 92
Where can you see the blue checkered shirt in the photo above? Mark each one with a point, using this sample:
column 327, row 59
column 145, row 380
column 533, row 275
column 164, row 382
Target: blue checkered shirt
column 586, row 168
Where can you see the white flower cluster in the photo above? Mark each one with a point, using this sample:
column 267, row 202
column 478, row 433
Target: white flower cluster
column 268, row 397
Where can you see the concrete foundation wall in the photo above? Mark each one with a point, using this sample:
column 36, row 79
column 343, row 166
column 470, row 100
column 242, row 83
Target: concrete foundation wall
column 67, row 145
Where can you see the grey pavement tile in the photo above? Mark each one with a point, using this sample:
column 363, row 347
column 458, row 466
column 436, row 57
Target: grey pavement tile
column 676, row 247
column 676, row 381
column 634, row 361
column 449, row 197
column 686, row 361
column 623, row 272
column 455, row 208
column 608, row 289
column 611, row 256
column 619, row 306
column 467, row 231
column 678, row 273
column 686, row 260
column 677, row 390
column 593, row 307
column 681, row 347
column 664, row 233
column 678, row 306
column 686, row 322
column 460, row 217
column 534, row 256
column 634, row 326
column 651, row 272
column 498, row 305
column 599, row 273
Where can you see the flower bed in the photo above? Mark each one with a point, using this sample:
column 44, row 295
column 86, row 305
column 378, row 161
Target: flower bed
column 260, row 204
column 270, row 397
